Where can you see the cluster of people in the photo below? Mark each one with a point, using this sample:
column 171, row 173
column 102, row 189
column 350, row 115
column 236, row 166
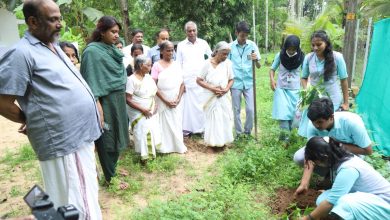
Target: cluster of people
column 337, row 139
column 68, row 107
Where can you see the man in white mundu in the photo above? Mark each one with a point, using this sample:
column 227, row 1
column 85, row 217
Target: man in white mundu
column 191, row 55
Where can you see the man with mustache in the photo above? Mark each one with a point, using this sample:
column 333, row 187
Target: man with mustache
column 56, row 108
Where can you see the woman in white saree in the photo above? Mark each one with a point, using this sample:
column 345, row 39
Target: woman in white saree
column 168, row 76
column 217, row 78
column 140, row 96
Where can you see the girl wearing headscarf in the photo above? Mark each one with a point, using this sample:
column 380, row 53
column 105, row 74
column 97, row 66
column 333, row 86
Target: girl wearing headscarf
column 358, row 190
column 286, row 88
column 103, row 70
column 217, row 79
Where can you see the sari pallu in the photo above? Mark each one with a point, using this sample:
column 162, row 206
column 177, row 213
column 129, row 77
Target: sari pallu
column 171, row 119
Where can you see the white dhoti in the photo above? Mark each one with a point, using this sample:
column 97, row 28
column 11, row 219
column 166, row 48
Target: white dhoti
column 193, row 115
column 72, row 179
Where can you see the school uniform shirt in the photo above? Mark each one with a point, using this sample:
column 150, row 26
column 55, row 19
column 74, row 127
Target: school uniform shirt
column 348, row 128
column 242, row 66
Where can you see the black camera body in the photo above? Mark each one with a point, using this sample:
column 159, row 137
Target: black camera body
column 43, row 209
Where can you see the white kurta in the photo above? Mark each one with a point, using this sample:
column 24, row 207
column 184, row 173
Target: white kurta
column 218, row 110
column 191, row 57
column 145, row 131
column 169, row 82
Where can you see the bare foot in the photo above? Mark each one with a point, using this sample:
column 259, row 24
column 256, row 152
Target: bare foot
column 123, row 172
column 123, row 185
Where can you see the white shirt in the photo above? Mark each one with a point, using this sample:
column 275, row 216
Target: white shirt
column 191, row 57
column 127, row 50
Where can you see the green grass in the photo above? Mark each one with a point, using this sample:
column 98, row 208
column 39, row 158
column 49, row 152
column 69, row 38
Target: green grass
column 24, row 154
column 163, row 166
column 16, row 191
column 248, row 169
column 238, row 185
column 225, row 201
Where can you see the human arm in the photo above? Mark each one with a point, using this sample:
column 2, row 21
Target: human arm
column 170, row 104
column 344, row 89
column 343, row 183
column 229, row 85
column 181, row 91
column 217, row 90
column 131, row 103
column 305, row 72
column 10, row 110
column 256, row 59
column 305, row 181
column 274, row 67
column 357, row 150
column 100, row 110
column 320, row 212
column 341, row 69
column 272, row 79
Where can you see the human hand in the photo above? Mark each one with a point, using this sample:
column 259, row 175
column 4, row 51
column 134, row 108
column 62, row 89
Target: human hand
column 147, row 113
column 273, row 84
column 217, row 91
column 345, row 106
column 304, row 218
column 301, row 190
column 254, row 56
column 171, row 104
column 178, row 100
column 23, row 129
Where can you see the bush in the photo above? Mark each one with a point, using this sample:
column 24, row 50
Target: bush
column 271, row 166
column 225, row 201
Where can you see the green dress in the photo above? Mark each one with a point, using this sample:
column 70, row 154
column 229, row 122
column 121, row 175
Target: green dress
column 103, row 70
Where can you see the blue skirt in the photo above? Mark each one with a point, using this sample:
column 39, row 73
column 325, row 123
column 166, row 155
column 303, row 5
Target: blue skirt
column 284, row 105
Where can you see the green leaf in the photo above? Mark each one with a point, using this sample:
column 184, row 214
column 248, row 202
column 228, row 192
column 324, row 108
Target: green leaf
column 62, row 2
column 92, row 14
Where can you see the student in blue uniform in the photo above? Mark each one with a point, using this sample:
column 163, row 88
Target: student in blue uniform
column 346, row 128
column 326, row 68
column 358, row 191
column 286, row 88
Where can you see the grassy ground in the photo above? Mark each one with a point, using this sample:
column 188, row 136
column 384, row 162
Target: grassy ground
column 238, row 183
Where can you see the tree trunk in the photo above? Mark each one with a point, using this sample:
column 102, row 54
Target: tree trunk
column 351, row 7
column 125, row 21
column 274, row 26
column 291, row 12
column 266, row 26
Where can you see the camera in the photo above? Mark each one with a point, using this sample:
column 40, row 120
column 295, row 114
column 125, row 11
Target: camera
column 43, row 209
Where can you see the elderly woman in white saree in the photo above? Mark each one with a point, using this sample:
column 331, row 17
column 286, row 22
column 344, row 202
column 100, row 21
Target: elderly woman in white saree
column 168, row 76
column 140, row 96
column 217, row 78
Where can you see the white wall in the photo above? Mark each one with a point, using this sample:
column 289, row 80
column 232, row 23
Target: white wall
column 9, row 30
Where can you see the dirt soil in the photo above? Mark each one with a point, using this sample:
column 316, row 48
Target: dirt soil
column 10, row 139
column 284, row 200
column 198, row 156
